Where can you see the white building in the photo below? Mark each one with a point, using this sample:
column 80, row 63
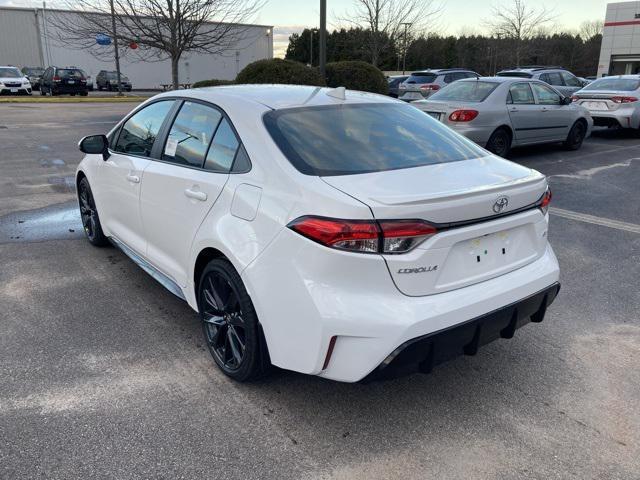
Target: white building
column 27, row 39
column 620, row 51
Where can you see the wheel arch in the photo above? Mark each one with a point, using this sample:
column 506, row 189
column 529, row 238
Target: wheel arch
column 202, row 259
column 506, row 128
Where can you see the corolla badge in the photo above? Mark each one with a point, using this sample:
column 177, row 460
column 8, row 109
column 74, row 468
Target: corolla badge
column 501, row 204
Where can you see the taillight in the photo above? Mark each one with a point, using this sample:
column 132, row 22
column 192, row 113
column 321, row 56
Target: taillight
column 56, row 78
column 575, row 98
column 624, row 99
column 364, row 236
column 545, row 201
column 430, row 87
column 463, row 115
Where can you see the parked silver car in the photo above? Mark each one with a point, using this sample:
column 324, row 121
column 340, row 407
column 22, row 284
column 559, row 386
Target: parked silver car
column 503, row 112
column 422, row 84
column 612, row 101
column 559, row 78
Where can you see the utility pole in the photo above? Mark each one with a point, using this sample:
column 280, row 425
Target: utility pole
column 404, row 53
column 115, row 46
column 311, row 48
column 323, row 38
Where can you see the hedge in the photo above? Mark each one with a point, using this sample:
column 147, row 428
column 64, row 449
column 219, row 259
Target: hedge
column 277, row 70
column 214, row 82
column 356, row 75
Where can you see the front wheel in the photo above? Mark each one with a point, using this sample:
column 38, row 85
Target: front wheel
column 230, row 324
column 499, row 143
column 576, row 136
column 89, row 215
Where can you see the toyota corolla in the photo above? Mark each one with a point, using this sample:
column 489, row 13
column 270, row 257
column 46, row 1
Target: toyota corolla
column 330, row 232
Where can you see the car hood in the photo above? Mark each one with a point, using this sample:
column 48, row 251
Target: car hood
column 13, row 79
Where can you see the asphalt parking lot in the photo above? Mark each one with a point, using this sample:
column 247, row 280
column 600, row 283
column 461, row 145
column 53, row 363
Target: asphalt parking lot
column 104, row 374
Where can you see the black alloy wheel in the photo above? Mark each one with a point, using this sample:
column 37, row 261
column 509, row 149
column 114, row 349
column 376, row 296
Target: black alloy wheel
column 89, row 215
column 499, row 143
column 576, row 136
column 230, row 323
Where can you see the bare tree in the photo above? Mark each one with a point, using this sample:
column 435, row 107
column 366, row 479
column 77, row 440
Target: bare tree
column 591, row 28
column 162, row 28
column 518, row 22
column 391, row 21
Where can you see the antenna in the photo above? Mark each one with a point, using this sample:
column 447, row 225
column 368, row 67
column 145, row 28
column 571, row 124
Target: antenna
column 338, row 93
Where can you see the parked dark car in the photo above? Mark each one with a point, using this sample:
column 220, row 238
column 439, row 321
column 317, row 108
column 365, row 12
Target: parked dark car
column 108, row 80
column 63, row 80
column 394, row 82
column 34, row 74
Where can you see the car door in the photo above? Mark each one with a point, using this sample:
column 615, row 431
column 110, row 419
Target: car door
column 555, row 119
column 118, row 191
column 571, row 82
column 523, row 113
column 181, row 187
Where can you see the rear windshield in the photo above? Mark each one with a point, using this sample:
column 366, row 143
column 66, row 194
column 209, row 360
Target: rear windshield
column 69, row 73
column 615, row 84
column 10, row 72
column 362, row 138
column 515, row 74
column 422, row 78
column 465, row 91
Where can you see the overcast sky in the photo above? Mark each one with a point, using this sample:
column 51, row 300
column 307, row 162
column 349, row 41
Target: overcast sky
column 288, row 16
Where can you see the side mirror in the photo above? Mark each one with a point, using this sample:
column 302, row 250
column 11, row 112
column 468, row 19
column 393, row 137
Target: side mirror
column 566, row 101
column 95, row 144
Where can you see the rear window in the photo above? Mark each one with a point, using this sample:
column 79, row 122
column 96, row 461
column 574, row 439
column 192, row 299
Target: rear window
column 363, row 138
column 615, row 84
column 514, row 74
column 69, row 73
column 466, row 91
column 10, row 72
column 422, row 78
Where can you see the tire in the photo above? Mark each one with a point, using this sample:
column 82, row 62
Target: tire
column 42, row 92
column 84, row 94
column 576, row 136
column 89, row 215
column 232, row 332
column 500, row 143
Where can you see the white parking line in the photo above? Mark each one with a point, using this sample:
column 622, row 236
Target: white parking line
column 583, row 217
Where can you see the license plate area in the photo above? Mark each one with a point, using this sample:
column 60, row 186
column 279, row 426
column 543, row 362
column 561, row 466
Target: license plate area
column 596, row 105
column 14, row 90
column 487, row 256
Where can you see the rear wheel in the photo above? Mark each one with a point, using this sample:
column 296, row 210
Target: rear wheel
column 500, row 142
column 230, row 324
column 89, row 215
column 576, row 136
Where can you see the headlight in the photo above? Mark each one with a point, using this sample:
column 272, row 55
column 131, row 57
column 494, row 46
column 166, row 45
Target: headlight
column 26, row 83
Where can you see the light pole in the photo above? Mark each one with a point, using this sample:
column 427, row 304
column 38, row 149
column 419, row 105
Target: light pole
column 115, row 46
column 404, row 53
column 311, row 49
column 323, row 38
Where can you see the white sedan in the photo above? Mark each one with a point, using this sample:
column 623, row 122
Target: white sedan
column 331, row 232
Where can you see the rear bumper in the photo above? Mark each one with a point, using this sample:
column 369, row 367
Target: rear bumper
column 20, row 91
column 626, row 117
column 476, row 133
column 423, row 353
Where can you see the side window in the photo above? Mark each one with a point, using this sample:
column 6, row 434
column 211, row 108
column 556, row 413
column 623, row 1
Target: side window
column 140, row 131
column 242, row 164
column 552, row 78
column 546, row 96
column 521, row 94
column 570, row 80
column 191, row 134
column 223, row 149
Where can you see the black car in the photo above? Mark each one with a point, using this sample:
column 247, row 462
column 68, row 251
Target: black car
column 34, row 74
column 63, row 80
column 108, row 80
column 394, row 82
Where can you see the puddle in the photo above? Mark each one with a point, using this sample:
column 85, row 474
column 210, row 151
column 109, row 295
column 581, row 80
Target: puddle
column 63, row 184
column 55, row 162
column 56, row 222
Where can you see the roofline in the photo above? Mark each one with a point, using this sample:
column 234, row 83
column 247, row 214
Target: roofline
column 60, row 10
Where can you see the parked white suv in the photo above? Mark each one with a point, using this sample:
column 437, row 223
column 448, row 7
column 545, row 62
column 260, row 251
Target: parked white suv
column 330, row 232
column 13, row 81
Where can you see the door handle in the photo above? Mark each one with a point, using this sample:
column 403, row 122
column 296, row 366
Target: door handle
column 544, row 109
column 133, row 178
column 513, row 109
column 197, row 195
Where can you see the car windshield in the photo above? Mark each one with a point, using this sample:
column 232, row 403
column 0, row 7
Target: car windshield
column 363, row 138
column 614, row 84
column 466, row 91
column 9, row 72
column 69, row 73
column 422, row 78
column 34, row 71
column 515, row 74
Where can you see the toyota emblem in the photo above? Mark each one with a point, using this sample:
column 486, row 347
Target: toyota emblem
column 501, row 204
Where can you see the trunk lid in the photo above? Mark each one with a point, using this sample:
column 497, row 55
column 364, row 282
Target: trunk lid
column 601, row 100
column 488, row 244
